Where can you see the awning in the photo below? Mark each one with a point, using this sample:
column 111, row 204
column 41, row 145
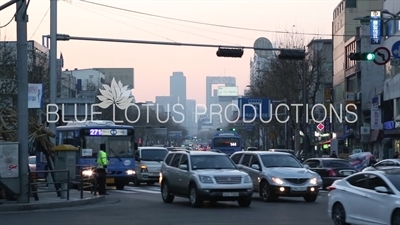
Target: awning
column 374, row 135
column 343, row 136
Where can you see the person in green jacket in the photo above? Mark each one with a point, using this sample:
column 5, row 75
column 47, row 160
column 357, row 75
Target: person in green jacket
column 102, row 163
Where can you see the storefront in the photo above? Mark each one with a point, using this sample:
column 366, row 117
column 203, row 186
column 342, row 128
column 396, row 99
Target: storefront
column 391, row 140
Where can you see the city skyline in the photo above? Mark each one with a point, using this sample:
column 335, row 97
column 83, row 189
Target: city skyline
column 195, row 63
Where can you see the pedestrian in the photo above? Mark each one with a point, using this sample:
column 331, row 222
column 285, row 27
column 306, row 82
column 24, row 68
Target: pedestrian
column 396, row 155
column 102, row 163
column 334, row 155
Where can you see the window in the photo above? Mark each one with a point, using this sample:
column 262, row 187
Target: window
column 351, row 3
column 153, row 154
column 336, row 164
column 184, row 160
column 383, row 163
column 255, row 160
column 246, row 160
column 391, row 163
column 358, row 180
column 236, row 158
column 168, row 158
column 66, row 138
column 280, row 161
column 200, row 162
column 175, row 160
column 226, row 142
column 395, row 181
column 32, row 160
column 117, row 146
column 312, row 163
column 375, row 181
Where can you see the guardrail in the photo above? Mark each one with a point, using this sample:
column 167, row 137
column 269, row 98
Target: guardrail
column 60, row 188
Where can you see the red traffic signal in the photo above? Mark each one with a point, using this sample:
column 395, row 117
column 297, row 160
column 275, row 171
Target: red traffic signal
column 230, row 52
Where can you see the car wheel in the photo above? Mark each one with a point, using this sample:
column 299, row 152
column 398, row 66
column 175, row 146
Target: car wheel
column 120, row 186
column 166, row 194
column 244, row 202
column 396, row 217
column 136, row 182
column 310, row 198
column 194, row 198
column 265, row 192
column 339, row 215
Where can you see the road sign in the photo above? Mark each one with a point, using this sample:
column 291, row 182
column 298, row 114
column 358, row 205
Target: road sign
column 248, row 113
column 396, row 50
column 320, row 127
column 382, row 56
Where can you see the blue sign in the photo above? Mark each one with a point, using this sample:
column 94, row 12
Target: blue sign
column 260, row 104
column 389, row 125
column 375, row 27
column 396, row 50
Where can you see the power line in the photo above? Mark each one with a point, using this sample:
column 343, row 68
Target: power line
column 15, row 14
column 40, row 23
column 219, row 25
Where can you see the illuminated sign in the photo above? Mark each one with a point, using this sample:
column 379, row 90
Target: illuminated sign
column 108, row 132
column 233, row 144
column 228, row 91
column 375, row 27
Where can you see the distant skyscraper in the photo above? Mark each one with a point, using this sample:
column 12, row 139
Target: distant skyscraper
column 177, row 88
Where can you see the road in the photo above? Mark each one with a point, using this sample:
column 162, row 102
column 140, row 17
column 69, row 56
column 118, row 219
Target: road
column 143, row 206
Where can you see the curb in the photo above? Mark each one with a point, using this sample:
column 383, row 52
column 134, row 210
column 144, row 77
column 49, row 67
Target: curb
column 51, row 205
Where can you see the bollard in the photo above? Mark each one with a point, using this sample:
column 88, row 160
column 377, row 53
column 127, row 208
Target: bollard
column 63, row 190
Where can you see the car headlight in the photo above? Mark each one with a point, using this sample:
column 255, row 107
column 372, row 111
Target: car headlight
column 88, row 173
column 314, row 181
column 246, row 179
column 143, row 169
column 277, row 180
column 130, row 172
column 206, row 179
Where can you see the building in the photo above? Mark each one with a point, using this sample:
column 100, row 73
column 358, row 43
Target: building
column 125, row 75
column 166, row 103
column 391, row 94
column 177, row 88
column 191, row 120
column 343, row 28
column 87, row 79
column 364, row 82
column 257, row 66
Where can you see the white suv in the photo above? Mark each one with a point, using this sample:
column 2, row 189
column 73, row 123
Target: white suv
column 204, row 176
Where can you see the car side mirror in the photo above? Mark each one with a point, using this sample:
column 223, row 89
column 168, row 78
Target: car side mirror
column 255, row 166
column 382, row 189
column 183, row 167
column 307, row 166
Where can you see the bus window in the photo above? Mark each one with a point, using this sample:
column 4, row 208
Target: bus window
column 91, row 146
column 120, row 147
column 66, row 138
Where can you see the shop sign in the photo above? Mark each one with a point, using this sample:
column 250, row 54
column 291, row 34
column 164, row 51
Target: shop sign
column 389, row 125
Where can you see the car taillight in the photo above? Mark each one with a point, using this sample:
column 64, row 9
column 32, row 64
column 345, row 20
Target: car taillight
column 331, row 188
column 331, row 173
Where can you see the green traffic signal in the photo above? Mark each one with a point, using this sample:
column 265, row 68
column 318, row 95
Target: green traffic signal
column 233, row 129
column 370, row 56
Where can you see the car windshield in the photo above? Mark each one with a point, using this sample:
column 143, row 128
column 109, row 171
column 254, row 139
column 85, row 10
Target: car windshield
column 336, row 164
column 32, row 160
column 280, row 161
column 121, row 146
column 226, row 142
column 200, row 162
column 153, row 154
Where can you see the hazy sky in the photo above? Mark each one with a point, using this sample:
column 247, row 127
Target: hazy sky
column 154, row 64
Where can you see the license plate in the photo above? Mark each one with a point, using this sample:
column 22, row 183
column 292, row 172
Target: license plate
column 110, row 181
column 230, row 194
column 347, row 173
column 299, row 188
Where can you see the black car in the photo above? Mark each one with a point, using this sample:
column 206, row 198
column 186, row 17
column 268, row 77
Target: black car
column 330, row 169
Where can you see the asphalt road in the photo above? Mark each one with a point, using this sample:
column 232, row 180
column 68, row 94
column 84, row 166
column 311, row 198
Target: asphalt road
column 143, row 206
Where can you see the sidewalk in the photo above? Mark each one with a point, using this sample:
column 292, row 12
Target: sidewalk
column 50, row 200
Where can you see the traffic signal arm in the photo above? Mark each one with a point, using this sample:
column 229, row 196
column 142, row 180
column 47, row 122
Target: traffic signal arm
column 365, row 56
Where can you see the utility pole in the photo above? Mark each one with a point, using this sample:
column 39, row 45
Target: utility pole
column 22, row 86
column 305, row 108
column 53, row 62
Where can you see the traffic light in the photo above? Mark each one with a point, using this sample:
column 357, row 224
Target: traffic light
column 292, row 54
column 230, row 52
column 219, row 129
column 233, row 129
column 366, row 56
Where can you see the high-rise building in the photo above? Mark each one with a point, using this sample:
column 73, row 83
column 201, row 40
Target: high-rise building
column 191, row 120
column 177, row 88
column 167, row 102
column 344, row 28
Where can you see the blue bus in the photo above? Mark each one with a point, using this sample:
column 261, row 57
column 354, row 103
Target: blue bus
column 228, row 142
column 119, row 142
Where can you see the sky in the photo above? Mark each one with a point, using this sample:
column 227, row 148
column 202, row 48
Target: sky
column 154, row 64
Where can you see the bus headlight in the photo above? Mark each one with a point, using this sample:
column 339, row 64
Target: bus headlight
column 130, row 172
column 88, row 173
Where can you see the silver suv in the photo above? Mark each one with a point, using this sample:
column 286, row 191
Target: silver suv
column 277, row 174
column 204, row 176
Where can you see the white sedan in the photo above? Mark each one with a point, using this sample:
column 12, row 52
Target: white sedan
column 366, row 198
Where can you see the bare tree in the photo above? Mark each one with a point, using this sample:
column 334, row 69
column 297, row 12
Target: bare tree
column 283, row 79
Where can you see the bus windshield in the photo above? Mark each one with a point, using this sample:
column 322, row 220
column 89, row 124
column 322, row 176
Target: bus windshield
column 226, row 142
column 121, row 146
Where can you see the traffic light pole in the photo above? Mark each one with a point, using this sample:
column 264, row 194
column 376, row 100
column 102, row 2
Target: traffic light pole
column 305, row 119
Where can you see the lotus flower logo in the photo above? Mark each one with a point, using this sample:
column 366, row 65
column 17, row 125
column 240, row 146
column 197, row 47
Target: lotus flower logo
column 116, row 94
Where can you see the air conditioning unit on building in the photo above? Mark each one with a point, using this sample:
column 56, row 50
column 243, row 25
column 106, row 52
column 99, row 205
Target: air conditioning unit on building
column 358, row 96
